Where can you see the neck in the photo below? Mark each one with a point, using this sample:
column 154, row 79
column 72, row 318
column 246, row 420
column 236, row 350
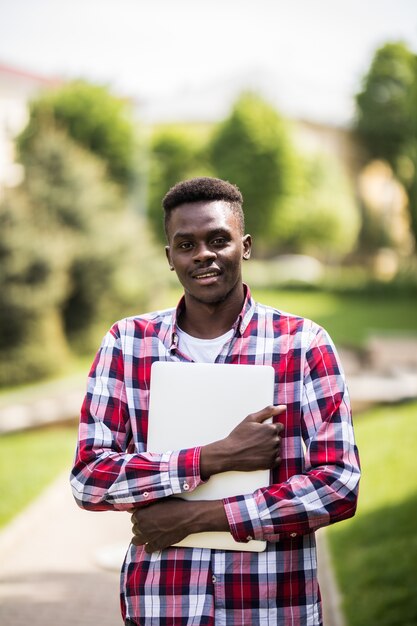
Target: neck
column 209, row 320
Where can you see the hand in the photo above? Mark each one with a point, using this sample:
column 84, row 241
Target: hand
column 252, row 445
column 160, row 525
column 168, row 521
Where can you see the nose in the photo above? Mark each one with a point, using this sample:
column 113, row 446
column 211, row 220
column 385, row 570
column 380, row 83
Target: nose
column 203, row 254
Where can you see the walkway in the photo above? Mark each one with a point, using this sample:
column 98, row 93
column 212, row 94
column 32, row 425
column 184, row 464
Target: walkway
column 51, row 563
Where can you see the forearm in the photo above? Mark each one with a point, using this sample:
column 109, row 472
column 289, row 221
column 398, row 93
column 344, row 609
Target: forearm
column 103, row 479
column 166, row 523
column 326, row 491
column 213, row 460
column 302, row 504
column 207, row 516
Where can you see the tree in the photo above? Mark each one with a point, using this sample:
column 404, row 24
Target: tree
column 176, row 153
column 387, row 115
column 252, row 149
column 94, row 118
column 33, row 284
column 60, row 253
column 322, row 218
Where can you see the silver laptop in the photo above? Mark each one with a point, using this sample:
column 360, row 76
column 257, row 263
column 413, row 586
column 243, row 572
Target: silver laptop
column 195, row 404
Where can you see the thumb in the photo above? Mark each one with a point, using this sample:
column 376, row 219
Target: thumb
column 267, row 412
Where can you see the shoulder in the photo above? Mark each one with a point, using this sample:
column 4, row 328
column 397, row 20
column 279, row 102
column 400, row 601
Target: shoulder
column 284, row 319
column 138, row 326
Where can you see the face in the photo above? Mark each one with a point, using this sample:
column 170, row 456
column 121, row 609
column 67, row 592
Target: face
column 206, row 248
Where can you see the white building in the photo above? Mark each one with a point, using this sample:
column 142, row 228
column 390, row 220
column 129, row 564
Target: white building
column 17, row 87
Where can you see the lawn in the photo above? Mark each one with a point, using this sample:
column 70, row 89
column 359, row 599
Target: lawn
column 375, row 553
column 29, row 461
column 350, row 319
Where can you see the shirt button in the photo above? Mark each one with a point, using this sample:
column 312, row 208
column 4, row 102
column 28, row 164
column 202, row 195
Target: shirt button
column 186, row 486
column 145, row 494
column 293, row 534
column 214, row 579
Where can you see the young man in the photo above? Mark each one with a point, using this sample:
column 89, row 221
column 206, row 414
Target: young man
column 309, row 447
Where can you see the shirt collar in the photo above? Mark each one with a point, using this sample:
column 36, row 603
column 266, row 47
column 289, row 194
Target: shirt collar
column 239, row 326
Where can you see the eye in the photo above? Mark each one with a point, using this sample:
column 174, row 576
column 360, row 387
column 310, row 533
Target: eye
column 219, row 241
column 185, row 245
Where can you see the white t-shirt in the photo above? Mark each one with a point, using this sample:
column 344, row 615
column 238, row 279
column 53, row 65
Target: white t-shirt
column 202, row 350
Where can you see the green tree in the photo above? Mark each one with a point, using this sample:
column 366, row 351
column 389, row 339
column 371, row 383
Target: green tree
column 387, row 115
column 61, row 251
column 94, row 118
column 322, row 218
column 33, row 285
column 176, row 153
column 252, row 149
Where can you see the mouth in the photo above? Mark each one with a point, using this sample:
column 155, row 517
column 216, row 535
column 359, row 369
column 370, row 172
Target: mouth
column 207, row 276
column 211, row 274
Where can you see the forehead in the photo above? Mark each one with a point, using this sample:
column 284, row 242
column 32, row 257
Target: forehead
column 194, row 217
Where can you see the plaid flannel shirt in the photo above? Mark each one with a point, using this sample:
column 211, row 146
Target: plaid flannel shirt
column 315, row 485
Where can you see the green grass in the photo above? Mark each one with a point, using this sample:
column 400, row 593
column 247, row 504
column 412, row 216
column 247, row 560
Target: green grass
column 375, row 553
column 29, row 461
column 350, row 319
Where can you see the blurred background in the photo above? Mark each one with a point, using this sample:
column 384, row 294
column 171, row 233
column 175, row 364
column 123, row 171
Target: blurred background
column 311, row 109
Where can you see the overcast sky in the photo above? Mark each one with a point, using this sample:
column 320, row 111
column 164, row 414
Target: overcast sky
column 190, row 58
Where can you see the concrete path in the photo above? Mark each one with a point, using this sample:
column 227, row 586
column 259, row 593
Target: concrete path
column 42, row 403
column 51, row 559
column 59, row 565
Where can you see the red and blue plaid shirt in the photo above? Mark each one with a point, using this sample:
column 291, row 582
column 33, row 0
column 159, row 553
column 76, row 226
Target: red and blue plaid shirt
column 315, row 485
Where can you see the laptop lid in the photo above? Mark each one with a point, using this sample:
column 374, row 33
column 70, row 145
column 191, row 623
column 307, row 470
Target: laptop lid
column 194, row 404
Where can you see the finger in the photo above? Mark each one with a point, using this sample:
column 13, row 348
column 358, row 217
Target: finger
column 267, row 412
column 150, row 547
column 279, row 427
column 138, row 541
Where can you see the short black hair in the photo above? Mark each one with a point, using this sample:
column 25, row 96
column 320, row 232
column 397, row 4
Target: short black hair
column 203, row 189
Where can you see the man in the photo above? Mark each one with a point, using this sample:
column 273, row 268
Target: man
column 309, row 447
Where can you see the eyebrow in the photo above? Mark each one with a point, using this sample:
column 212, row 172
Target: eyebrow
column 211, row 233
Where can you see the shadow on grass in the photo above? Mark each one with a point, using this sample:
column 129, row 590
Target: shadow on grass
column 375, row 557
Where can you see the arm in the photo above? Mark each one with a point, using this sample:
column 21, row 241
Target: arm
column 109, row 471
column 326, row 491
column 250, row 446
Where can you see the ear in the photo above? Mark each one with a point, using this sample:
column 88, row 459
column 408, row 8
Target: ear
column 247, row 247
column 168, row 256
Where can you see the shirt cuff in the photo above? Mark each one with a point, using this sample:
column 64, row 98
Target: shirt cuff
column 184, row 470
column 243, row 517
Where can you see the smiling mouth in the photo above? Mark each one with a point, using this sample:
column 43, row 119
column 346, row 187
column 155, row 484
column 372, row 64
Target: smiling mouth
column 207, row 275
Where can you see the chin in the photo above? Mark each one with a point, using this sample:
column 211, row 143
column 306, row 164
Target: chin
column 210, row 296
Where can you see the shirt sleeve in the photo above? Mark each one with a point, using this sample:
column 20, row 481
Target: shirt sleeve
column 327, row 490
column 108, row 472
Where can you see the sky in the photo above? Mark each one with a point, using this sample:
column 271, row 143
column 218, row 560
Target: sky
column 189, row 59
